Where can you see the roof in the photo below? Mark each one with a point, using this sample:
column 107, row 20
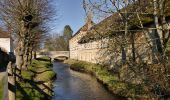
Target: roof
column 83, row 28
column 4, row 34
column 113, row 24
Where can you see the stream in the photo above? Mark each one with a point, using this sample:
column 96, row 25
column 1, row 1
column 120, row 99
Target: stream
column 72, row 85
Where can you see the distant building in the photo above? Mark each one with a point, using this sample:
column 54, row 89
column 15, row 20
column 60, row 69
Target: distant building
column 6, row 42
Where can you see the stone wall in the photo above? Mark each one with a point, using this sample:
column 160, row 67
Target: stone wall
column 90, row 52
column 6, row 44
column 109, row 50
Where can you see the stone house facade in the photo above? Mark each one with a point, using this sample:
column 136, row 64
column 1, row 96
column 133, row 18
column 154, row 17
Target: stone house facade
column 6, row 48
column 87, row 51
column 84, row 52
column 93, row 44
column 6, row 42
column 105, row 43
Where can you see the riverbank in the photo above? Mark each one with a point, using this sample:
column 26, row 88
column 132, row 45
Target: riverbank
column 36, row 83
column 109, row 80
column 73, row 85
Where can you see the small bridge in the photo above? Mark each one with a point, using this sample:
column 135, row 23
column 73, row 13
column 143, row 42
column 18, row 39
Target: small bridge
column 55, row 54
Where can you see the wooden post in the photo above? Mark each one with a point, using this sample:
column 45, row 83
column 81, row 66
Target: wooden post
column 11, row 82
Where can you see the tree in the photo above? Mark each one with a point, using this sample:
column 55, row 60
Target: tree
column 154, row 10
column 56, row 43
column 67, row 34
column 161, row 28
column 27, row 19
column 131, row 17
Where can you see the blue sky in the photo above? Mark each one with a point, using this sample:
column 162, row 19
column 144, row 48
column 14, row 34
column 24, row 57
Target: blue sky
column 70, row 13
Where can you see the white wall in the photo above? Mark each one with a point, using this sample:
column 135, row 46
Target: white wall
column 6, row 43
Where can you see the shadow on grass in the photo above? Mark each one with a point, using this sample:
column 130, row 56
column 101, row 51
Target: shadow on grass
column 31, row 90
column 43, row 59
column 23, row 92
column 40, row 71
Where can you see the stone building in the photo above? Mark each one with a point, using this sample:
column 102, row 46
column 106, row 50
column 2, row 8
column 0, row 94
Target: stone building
column 100, row 44
column 86, row 51
column 82, row 51
column 6, row 48
column 108, row 43
column 6, row 42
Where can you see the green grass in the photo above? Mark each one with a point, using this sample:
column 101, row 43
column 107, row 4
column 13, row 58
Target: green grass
column 34, row 86
column 109, row 79
column 27, row 92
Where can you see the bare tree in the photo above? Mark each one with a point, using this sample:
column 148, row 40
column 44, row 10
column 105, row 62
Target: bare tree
column 25, row 18
column 129, row 30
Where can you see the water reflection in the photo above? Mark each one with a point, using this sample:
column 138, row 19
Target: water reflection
column 72, row 85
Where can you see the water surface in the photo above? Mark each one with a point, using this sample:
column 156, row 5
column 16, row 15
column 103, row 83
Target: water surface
column 72, row 85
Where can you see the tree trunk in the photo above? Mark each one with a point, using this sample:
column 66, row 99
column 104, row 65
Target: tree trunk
column 26, row 58
column 30, row 58
column 164, row 25
column 158, row 31
column 35, row 55
column 123, row 50
column 133, row 48
column 19, row 58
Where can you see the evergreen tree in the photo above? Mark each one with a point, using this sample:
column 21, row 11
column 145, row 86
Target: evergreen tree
column 67, row 34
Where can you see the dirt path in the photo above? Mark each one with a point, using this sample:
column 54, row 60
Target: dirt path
column 3, row 79
column 2, row 75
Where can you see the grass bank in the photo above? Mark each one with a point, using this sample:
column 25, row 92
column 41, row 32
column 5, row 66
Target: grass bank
column 37, row 81
column 109, row 80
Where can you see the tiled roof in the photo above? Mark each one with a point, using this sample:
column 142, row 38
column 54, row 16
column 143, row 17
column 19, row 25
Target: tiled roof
column 112, row 24
column 4, row 34
column 83, row 28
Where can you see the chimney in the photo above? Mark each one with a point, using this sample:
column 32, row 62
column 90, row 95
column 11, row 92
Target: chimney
column 89, row 21
column 89, row 14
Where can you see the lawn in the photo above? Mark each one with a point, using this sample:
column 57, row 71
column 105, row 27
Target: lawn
column 37, row 81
